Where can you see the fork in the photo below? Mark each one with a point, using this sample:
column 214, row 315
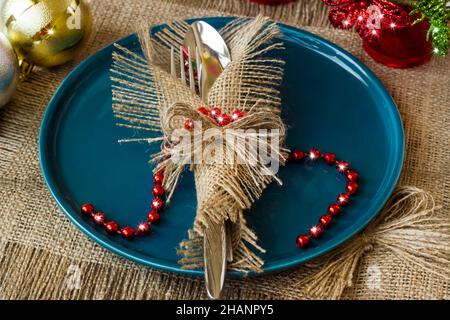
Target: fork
column 173, row 69
column 217, row 242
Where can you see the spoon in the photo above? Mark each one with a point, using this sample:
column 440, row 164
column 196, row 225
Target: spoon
column 211, row 58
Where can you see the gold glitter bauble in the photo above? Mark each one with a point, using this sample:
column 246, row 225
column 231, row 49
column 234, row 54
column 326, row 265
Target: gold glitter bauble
column 46, row 33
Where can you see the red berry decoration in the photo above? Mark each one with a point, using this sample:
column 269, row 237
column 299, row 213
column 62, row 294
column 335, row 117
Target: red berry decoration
column 315, row 231
column 158, row 191
column 215, row 112
column 329, row 158
column 352, row 187
column 189, row 124
column 158, row 178
column 302, row 241
column 143, row 228
column 297, row 155
column 87, row 209
column 127, row 232
column 352, row 176
column 111, row 227
column 153, row 217
column 314, row 154
column 99, row 218
column 334, row 209
column 325, row 220
column 157, row 204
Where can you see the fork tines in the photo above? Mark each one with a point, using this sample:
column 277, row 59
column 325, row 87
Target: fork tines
column 182, row 66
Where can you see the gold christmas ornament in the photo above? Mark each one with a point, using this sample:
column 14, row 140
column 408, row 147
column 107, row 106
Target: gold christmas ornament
column 46, row 33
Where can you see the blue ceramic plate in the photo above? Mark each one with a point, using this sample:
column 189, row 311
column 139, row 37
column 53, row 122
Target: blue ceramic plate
column 330, row 101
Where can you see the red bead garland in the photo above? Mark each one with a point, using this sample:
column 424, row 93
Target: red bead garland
column 142, row 228
column 157, row 204
column 334, row 209
column 216, row 114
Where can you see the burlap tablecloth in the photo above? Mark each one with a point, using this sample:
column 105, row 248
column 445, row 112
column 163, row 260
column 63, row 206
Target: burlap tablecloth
column 42, row 253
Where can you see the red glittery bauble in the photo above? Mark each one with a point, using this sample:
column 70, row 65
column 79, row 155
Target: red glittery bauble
column 400, row 47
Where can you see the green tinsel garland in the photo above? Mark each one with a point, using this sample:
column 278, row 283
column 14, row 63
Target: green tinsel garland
column 438, row 13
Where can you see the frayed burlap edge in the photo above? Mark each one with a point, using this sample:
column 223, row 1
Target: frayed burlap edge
column 146, row 96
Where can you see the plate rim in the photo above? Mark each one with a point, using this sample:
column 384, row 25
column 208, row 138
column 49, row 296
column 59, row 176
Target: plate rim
column 280, row 264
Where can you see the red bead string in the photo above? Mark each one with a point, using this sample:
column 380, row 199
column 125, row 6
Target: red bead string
column 143, row 228
column 343, row 199
column 157, row 203
column 221, row 118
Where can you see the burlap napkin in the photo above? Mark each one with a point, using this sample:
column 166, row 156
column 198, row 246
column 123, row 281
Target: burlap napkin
column 42, row 255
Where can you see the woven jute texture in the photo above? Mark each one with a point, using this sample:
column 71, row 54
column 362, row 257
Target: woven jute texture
column 224, row 188
column 42, row 253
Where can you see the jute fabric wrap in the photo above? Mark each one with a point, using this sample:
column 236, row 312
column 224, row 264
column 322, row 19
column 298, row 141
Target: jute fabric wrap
column 42, row 253
column 224, row 187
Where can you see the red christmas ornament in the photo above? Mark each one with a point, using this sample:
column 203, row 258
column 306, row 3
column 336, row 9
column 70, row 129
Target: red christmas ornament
column 189, row 124
column 158, row 190
column 387, row 30
column 127, row 232
column 302, row 241
column 157, row 204
column 329, row 158
column 143, row 228
column 400, row 46
column 297, row 155
column 315, row 231
column 325, row 220
column 87, row 209
column 111, row 227
column 334, row 209
column 99, row 218
column 158, row 178
column 153, row 217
